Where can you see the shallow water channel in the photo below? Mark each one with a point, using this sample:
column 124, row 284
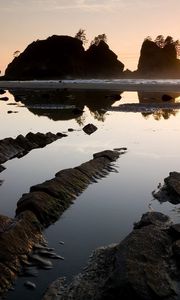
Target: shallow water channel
column 105, row 212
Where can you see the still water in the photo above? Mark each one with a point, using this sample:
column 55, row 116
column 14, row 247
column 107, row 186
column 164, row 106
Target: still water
column 105, row 212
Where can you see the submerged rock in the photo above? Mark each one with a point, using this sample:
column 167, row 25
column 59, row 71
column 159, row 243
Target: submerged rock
column 142, row 266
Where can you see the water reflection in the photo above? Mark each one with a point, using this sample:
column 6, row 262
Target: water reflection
column 67, row 105
column 159, row 98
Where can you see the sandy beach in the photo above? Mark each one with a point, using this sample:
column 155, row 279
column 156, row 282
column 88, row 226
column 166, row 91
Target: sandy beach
column 97, row 84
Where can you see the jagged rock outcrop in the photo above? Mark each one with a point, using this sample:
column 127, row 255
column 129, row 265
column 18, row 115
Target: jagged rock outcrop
column 55, row 57
column 41, row 207
column 170, row 191
column 102, row 62
column 64, row 57
column 17, row 237
column 156, row 61
column 49, row 199
column 143, row 266
column 18, row 147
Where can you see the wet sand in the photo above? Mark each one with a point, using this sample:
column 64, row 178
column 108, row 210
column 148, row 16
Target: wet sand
column 110, row 85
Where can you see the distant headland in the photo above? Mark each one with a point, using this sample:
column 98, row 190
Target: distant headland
column 64, row 57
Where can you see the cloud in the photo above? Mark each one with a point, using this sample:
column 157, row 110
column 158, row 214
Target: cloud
column 86, row 5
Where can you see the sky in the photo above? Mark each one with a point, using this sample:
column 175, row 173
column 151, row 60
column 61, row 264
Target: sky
column 125, row 22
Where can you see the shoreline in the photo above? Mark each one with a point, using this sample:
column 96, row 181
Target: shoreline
column 147, row 85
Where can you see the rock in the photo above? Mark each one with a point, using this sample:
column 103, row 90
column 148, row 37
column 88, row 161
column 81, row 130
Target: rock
column 70, row 129
column 2, row 91
column 30, row 285
column 2, row 168
column 166, row 97
column 9, row 111
column 176, row 248
column 157, row 61
column 4, row 98
column 43, row 262
column 49, row 199
column 29, row 271
column 175, row 231
column 155, row 218
column 171, row 190
column 89, row 128
column 115, row 97
column 77, row 111
column 111, row 155
column 142, row 266
column 64, row 57
column 10, row 148
column 16, row 242
column 101, row 62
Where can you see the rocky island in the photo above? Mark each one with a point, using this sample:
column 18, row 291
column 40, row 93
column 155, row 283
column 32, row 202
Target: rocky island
column 64, row 57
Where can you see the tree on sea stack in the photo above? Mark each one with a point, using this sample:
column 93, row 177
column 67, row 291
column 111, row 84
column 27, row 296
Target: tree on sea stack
column 99, row 38
column 16, row 53
column 81, row 35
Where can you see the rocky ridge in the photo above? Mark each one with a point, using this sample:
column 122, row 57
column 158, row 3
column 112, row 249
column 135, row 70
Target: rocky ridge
column 41, row 207
column 143, row 266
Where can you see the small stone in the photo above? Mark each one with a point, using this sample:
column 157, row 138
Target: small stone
column 4, row 98
column 89, row 128
column 70, row 129
column 166, row 97
column 30, row 285
column 61, row 242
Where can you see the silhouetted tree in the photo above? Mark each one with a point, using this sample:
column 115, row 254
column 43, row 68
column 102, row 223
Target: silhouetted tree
column 16, row 53
column 168, row 40
column 148, row 38
column 100, row 37
column 159, row 40
column 81, row 35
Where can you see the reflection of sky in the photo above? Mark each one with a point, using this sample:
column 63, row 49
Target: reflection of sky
column 106, row 211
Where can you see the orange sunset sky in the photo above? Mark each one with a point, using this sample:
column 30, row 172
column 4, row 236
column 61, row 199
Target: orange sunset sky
column 125, row 22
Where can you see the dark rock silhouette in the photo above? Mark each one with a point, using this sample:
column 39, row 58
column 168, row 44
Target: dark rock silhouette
column 2, row 91
column 166, row 97
column 64, row 57
column 102, row 62
column 89, row 128
column 158, row 61
column 55, row 57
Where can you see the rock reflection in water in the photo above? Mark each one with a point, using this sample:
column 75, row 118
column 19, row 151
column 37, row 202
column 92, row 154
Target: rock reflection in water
column 159, row 98
column 65, row 104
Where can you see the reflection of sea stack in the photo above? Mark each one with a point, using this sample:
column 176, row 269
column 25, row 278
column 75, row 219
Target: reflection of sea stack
column 159, row 58
column 64, row 57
